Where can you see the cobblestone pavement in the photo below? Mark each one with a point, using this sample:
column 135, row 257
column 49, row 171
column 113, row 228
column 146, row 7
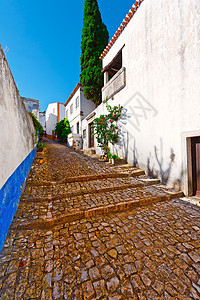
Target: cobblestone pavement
column 70, row 163
column 146, row 252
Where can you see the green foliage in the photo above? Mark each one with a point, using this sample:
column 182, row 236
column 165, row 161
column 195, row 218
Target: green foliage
column 37, row 125
column 105, row 128
column 114, row 156
column 63, row 129
column 40, row 146
column 94, row 40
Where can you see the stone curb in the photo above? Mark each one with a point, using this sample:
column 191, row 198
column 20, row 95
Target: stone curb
column 120, row 207
column 86, row 178
column 90, row 191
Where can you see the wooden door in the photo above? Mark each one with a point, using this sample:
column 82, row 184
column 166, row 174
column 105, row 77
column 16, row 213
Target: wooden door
column 91, row 136
column 196, row 165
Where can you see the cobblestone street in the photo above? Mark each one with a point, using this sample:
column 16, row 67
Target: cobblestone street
column 87, row 230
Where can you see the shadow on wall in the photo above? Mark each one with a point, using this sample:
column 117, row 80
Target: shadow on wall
column 163, row 173
column 123, row 142
column 178, row 182
column 135, row 155
column 156, row 166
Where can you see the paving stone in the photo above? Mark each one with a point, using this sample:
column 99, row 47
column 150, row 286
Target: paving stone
column 113, row 253
column 127, row 289
column 129, row 269
column 100, row 288
column 112, row 284
column 88, row 290
column 145, row 252
column 107, row 272
column 94, row 273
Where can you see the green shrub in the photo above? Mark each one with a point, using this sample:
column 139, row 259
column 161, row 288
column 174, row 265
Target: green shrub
column 114, row 156
column 40, row 147
column 63, row 129
column 105, row 127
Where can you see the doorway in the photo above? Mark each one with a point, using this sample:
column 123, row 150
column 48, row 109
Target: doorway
column 195, row 151
column 91, row 135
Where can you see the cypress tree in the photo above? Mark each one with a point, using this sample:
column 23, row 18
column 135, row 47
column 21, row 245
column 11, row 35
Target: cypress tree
column 94, row 40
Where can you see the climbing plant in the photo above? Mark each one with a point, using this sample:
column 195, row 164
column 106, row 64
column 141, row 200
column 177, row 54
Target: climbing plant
column 105, row 127
column 37, row 125
column 63, row 129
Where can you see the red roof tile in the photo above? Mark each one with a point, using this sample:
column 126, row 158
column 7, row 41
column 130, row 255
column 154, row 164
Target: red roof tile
column 73, row 93
column 123, row 25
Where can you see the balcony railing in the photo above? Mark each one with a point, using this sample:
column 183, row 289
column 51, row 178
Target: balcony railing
column 115, row 84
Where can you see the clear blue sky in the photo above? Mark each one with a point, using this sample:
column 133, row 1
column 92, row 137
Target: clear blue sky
column 43, row 39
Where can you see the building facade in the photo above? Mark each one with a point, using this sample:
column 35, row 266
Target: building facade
column 42, row 116
column 55, row 113
column 152, row 68
column 77, row 107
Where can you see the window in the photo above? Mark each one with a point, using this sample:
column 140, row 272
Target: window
column 77, row 127
column 77, row 102
column 113, row 67
column 71, row 109
column 84, row 133
column 66, row 113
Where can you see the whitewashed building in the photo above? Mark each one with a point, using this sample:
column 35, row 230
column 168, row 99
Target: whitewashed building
column 42, row 116
column 55, row 113
column 152, row 67
column 77, row 107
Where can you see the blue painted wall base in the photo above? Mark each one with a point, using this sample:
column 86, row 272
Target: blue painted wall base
column 10, row 194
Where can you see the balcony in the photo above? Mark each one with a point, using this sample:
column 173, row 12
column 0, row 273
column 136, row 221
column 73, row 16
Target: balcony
column 114, row 85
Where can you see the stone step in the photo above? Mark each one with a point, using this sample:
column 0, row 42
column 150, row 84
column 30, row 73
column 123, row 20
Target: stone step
column 117, row 161
column 122, row 166
column 76, row 189
column 89, row 151
column 47, row 215
column 134, row 173
column 192, row 199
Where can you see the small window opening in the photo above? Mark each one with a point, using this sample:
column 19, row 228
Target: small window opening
column 114, row 66
column 84, row 133
column 77, row 127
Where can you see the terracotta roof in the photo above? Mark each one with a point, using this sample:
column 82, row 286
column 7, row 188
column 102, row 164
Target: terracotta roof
column 73, row 92
column 125, row 22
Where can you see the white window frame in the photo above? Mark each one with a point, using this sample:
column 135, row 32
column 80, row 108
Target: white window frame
column 71, row 109
column 77, row 102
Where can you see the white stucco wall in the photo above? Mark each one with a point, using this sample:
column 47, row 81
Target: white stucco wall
column 42, row 116
column 17, row 134
column 75, row 116
column 162, row 60
column 101, row 109
column 87, row 106
column 51, row 117
column 61, row 111
column 79, row 113
column 55, row 113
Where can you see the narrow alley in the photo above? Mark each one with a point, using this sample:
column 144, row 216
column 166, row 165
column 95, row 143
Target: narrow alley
column 88, row 230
